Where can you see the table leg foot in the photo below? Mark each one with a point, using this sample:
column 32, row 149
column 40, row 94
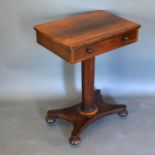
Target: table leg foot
column 123, row 113
column 74, row 140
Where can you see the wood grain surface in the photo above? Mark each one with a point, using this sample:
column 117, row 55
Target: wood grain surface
column 65, row 36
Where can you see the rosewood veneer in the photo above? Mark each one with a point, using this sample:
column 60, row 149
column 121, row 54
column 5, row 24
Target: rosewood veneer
column 80, row 38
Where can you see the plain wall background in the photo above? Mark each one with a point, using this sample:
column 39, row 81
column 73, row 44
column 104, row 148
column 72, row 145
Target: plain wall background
column 29, row 70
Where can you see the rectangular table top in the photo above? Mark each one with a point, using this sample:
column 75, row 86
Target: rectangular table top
column 83, row 29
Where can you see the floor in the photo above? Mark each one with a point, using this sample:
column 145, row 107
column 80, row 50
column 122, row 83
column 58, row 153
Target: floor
column 23, row 130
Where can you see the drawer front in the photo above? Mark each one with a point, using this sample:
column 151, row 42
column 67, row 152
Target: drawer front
column 97, row 48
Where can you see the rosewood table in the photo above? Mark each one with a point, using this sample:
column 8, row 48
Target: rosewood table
column 80, row 38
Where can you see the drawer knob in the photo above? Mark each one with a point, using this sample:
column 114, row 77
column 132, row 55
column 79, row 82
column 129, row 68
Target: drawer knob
column 89, row 50
column 125, row 38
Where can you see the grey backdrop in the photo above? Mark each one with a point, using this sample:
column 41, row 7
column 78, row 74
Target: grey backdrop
column 28, row 70
column 33, row 80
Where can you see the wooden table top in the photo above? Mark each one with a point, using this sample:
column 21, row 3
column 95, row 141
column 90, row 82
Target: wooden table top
column 80, row 30
column 85, row 28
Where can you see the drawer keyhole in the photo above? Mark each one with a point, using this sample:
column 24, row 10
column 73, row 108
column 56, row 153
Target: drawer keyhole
column 89, row 50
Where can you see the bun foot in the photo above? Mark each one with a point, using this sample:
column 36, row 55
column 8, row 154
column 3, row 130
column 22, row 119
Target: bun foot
column 74, row 141
column 123, row 113
column 50, row 121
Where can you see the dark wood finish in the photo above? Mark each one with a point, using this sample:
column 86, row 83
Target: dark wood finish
column 103, row 46
column 88, row 84
column 81, row 38
column 80, row 122
column 70, row 37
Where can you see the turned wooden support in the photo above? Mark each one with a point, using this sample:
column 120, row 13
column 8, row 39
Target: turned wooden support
column 88, row 69
column 90, row 109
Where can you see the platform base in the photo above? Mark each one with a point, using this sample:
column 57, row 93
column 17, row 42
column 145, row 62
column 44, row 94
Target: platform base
column 80, row 121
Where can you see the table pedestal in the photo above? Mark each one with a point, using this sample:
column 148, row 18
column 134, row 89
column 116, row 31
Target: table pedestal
column 91, row 108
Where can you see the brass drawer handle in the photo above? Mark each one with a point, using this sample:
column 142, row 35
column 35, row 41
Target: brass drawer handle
column 89, row 50
column 125, row 38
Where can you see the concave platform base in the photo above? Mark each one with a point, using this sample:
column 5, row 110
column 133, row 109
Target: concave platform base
column 81, row 120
